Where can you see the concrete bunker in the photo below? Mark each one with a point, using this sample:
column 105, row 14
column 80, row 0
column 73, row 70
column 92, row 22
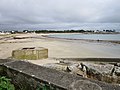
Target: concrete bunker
column 30, row 53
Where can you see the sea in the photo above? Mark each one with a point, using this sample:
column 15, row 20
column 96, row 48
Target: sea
column 113, row 37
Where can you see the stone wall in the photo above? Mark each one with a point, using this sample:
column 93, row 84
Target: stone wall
column 28, row 76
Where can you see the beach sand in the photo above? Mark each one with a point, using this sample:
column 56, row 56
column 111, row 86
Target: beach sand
column 59, row 48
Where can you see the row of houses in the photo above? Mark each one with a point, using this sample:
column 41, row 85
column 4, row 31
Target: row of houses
column 3, row 32
column 13, row 32
column 104, row 31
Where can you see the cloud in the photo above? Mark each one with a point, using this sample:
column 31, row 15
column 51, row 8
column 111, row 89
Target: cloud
column 62, row 12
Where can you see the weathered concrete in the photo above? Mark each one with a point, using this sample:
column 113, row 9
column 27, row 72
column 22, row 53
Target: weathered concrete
column 84, row 85
column 30, row 53
column 103, row 72
column 90, row 59
column 102, row 69
column 28, row 76
column 56, row 66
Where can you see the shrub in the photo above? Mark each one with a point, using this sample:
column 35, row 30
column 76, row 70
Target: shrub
column 5, row 84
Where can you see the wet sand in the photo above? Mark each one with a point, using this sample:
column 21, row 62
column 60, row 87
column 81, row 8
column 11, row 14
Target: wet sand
column 60, row 48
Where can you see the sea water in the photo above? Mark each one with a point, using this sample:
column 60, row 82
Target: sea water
column 115, row 37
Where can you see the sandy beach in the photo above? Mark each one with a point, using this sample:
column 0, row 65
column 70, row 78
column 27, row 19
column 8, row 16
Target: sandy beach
column 59, row 48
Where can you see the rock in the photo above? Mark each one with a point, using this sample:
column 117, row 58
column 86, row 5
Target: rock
column 98, row 71
column 118, row 64
column 75, row 70
column 84, row 85
column 61, row 61
column 117, row 71
column 98, row 68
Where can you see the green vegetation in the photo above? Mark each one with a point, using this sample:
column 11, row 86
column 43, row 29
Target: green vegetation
column 61, row 31
column 64, row 31
column 45, row 87
column 72, row 31
column 5, row 84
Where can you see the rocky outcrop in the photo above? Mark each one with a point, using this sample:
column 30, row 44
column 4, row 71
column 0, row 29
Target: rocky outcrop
column 103, row 72
column 74, row 69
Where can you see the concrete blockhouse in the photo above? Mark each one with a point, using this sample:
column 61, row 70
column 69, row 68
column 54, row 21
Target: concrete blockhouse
column 30, row 53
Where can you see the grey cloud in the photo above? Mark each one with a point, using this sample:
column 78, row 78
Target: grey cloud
column 59, row 12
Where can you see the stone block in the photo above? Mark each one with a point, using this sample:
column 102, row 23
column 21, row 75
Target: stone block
column 30, row 53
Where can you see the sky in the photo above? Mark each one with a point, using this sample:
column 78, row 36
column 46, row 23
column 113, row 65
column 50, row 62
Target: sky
column 57, row 13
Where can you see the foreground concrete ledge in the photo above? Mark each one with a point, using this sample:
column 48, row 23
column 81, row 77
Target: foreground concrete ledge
column 62, row 80
column 30, row 53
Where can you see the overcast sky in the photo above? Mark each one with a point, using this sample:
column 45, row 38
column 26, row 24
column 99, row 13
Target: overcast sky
column 58, row 12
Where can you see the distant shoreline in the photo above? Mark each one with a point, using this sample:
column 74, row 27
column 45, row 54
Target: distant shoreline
column 89, row 40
